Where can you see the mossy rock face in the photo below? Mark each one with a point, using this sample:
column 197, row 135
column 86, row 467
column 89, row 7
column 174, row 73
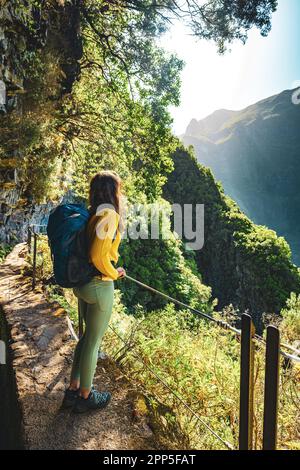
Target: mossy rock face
column 40, row 55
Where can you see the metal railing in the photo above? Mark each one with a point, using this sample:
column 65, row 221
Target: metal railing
column 247, row 353
column 248, row 340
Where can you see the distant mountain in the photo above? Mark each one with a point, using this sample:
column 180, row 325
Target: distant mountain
column 255, row 153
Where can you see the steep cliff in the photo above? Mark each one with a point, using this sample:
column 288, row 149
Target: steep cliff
column 40, row 46
column 245, row 264
column 255, row 155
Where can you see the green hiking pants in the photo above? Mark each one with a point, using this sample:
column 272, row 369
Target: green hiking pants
column 95, row 303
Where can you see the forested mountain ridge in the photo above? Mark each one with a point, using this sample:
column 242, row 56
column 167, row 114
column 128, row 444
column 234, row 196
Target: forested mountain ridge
column 245, row 264
column 255, row 155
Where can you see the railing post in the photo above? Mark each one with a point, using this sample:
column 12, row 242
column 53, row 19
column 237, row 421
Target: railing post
column 271, row 388
column 34, row 260
column 29, row 239
column 246, row 384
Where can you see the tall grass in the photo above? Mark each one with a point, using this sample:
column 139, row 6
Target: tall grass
column 200, row 363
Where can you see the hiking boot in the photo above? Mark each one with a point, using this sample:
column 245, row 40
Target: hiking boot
column 69, row 398
column 95, row 401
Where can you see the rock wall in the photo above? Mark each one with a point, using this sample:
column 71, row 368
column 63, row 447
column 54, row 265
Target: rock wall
column 24, row 30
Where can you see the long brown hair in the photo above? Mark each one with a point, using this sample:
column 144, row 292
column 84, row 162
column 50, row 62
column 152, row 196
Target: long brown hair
column 105, row 188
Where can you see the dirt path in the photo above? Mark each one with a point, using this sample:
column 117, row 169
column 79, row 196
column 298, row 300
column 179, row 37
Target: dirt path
column 42, row 348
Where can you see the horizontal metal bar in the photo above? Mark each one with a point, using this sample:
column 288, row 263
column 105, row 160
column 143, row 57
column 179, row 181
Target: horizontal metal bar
column 221, row 323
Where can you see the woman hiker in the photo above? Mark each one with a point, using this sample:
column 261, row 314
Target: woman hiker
column 95, row 299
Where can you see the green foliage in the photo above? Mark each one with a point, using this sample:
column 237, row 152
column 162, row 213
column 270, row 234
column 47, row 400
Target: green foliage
column 160, row 264
column 5, row 249
column 41, row 151
column 188, row 361
column 63, row 299
column 142, row 258
column 43, row 258
column 270, row 259
column 117, row 115
column 290, row 324
column 200, row 363
column 23, row 10
column 222, row 21
column 245, row 264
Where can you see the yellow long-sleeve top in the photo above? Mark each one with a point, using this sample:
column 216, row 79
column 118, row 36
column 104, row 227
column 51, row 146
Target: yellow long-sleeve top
column 105, row 239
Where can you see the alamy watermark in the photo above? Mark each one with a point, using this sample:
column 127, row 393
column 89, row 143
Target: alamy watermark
column 154, row 222
column 296, row 93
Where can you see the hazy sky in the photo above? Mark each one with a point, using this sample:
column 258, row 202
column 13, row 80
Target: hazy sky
column 260, row 68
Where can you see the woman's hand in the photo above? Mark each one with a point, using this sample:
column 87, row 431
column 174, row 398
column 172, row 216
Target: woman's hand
column 122, row 272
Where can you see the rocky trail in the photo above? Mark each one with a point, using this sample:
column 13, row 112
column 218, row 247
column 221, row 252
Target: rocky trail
column 40, row 352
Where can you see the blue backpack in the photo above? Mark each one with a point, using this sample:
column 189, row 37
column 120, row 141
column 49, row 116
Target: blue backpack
column 67, row 239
